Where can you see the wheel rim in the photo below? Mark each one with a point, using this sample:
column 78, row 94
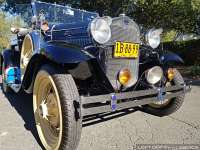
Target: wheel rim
column 165, row 102
column 47, row 111
column 27, row 50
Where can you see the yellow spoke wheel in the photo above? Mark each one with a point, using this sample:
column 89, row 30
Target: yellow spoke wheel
column 47, row 110
column 53, row 104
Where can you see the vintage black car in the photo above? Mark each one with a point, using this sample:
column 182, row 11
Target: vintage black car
column 77, row 64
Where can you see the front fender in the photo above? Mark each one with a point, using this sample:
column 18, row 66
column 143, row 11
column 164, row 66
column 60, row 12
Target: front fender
column 63, row 53
column 169, row 57
column 10, row 58
column 58, row 54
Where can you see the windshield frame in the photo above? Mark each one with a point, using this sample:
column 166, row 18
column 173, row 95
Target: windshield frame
column 86, row 16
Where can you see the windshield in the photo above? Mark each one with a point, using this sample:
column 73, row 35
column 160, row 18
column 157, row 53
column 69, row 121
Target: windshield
column 55, row 13
column 22, row 15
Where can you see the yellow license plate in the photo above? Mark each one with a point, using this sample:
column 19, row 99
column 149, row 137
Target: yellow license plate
column 126, row 50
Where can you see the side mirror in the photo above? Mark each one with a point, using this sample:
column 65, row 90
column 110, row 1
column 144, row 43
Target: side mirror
column 20, row 31
column 14, row 30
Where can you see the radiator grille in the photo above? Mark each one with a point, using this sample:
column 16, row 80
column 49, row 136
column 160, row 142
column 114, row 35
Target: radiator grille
column 123, row 30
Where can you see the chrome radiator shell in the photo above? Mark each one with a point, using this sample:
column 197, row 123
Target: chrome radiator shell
column 124, row 30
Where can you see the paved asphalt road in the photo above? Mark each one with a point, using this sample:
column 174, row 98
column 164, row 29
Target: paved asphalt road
column 17, row 131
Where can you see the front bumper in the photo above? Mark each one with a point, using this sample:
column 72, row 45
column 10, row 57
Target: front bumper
column 118, row 101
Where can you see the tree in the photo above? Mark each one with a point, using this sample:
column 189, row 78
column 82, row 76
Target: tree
column 3, row 31
column 169, row 14
column 6, row 21
column 178, row 15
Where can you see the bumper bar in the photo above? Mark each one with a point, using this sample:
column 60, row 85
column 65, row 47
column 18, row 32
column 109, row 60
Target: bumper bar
column 117, row 101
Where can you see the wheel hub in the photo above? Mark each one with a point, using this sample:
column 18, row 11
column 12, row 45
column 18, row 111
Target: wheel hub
column 43, row 110
column 48, row 110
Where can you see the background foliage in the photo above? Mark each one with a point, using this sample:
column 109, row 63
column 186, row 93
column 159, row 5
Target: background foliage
column 3, row 31
column 188, row 50
column 173, row 16
column 179, row 15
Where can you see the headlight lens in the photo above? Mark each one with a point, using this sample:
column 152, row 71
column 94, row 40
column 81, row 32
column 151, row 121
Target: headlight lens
column 100, row 30
column 154, row 75
column 153, row 37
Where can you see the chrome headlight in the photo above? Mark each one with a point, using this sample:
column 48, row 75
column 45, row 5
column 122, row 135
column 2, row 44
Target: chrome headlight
column 154, row 75
column 153, row 37
column 100, row 30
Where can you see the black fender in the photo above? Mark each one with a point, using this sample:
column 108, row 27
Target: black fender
column 80, row 71
column 7, row 57
column 10, row 58
column 33, row 67
column 1, row 62
column 57, row 54
column 170, row 57
column 63, row 53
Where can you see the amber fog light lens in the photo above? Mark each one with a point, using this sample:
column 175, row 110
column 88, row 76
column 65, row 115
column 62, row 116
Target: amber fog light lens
column 124, row 76
column 170, row 74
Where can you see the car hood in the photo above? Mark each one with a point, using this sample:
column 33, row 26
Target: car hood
column 73, row 33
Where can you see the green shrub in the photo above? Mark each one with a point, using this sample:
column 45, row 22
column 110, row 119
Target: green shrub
column 188, row 50
column 169, row 36
column 195, row 70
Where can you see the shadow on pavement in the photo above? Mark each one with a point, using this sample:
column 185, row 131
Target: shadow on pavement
column 94, row 119
column 22, row 103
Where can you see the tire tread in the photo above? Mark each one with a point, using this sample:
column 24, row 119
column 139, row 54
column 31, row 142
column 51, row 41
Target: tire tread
column 68, row 93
